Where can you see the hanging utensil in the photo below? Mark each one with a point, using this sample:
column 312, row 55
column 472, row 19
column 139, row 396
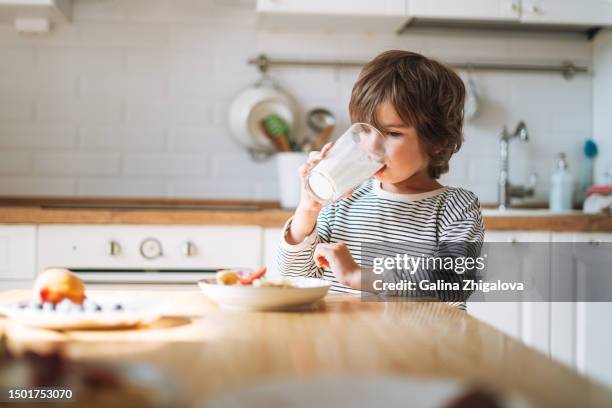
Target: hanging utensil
column 472, row 99
column 323, row 123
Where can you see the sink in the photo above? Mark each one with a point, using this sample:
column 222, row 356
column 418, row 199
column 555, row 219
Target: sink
column 527, row 212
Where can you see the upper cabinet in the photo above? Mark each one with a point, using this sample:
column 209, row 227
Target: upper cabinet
column 392, row 15
column 490, row 10
column 35, row 16
column 584, row 12
column 341, row 15
column 340, row 7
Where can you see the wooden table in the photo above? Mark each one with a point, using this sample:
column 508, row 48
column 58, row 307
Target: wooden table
column 208, row 349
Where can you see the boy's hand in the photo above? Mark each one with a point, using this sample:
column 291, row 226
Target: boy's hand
column 307, row 202
column 337, row 258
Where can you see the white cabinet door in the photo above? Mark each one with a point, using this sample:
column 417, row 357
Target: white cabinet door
column 584, row 12
column 527, row 321
column 345, row 7
column 581, row 331
column 58, row 11
column 272, row 238
column 332, row 15
column 502, row 10
column 17, row 252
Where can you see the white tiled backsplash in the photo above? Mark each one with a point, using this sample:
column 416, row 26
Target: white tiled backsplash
column 131, row 98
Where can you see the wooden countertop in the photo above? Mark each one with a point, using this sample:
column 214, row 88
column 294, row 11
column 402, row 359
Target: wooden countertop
column 266, row 218
column 208, row 350
column 230, row 212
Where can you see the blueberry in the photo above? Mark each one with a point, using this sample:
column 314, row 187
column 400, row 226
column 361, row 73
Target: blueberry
column 118, row 307
column 64, row 306
column 48, row 306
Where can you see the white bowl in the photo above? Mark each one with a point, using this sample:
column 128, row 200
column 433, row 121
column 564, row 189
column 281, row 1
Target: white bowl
column 247, row 297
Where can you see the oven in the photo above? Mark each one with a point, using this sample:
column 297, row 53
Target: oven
column 148, row 254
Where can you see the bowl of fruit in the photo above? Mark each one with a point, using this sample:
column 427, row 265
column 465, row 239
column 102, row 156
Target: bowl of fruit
column 251, row 290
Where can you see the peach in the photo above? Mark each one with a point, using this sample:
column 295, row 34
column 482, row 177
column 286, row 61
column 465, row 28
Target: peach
column 57, row 284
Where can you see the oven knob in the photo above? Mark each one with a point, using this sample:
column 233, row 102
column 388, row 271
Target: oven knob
column 113, row 248
column 190, row 249
column 151, row 248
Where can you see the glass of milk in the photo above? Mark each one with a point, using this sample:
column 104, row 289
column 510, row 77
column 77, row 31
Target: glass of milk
column 354, row 157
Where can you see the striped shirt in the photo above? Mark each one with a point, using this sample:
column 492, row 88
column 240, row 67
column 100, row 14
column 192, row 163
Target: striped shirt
column 372, row 216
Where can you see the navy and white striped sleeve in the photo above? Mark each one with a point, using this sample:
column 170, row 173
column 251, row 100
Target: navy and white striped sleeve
column 297, row 259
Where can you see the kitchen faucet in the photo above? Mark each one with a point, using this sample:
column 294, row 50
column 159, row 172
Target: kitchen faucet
column 505, row 189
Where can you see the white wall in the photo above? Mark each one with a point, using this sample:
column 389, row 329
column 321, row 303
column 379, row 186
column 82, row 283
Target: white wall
column 602, row 105
column 131, row 99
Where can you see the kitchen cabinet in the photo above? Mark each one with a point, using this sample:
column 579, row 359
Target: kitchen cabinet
column 527, row 321
column 586, row 12
column 56, row 11
column 17, row 255
column 342, row 7
column 343, row 15
column 492, row 10
column 271, row 239
column 580, row 331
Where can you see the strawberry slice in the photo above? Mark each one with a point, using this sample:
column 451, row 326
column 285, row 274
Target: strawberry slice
column 255, row 275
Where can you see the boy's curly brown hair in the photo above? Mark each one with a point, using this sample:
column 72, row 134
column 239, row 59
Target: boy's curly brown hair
column 426, row 95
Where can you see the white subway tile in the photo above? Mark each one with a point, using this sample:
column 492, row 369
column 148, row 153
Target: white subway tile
column 209, row 139
column 160, row 164
column 77, row 163
column 14, row 59
column 191, row 113
column 483, row 169
column 199, row 87
column 14, row 162
column 266, row 190
column 36, row 186
column 31, row 83
column 16, row 110
column 105, row 187
column 37, row 136
column 181, row 113
column 122, row 137
column 80, row 60
column 131, row 34
column 132, row 86
column 241, row 166
column 79, row 112
column 216, row 189
column 148, row 61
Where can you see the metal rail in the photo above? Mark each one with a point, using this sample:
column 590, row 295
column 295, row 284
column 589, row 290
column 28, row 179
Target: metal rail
column 567, row 69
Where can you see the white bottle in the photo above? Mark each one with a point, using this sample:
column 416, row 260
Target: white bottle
column 561, row 187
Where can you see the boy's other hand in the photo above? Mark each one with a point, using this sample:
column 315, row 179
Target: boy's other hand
column 337, row 258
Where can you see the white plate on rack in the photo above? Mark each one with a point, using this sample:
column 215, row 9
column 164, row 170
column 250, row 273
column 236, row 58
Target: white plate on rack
column 254, row 104
column 133, row 313
column 246, row 297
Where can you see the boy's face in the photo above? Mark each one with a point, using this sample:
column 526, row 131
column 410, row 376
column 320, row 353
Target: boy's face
column 405, row 153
